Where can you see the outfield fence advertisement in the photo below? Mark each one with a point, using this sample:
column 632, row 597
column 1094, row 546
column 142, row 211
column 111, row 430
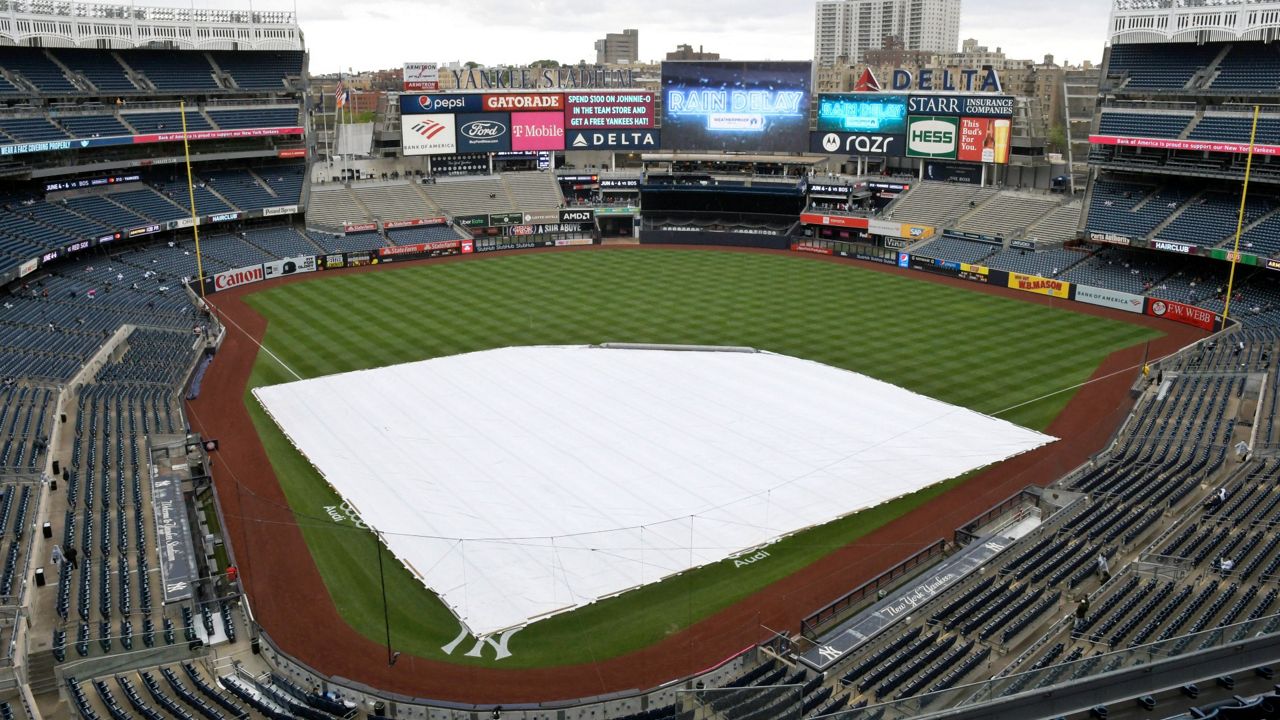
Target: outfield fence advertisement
column 736, row 106
column 1182, row 313
column 1113, row 299
column 1040, row 285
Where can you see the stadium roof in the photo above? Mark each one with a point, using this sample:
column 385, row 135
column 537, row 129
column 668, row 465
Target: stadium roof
column 523, row 482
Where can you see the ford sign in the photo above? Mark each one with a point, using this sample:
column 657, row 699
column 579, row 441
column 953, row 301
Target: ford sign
column 483, row 130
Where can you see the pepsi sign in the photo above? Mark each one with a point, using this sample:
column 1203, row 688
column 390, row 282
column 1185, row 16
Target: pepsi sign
column 441, row 103
column 484, row 132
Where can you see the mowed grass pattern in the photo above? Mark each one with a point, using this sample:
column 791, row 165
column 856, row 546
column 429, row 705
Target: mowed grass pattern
column 972, row 349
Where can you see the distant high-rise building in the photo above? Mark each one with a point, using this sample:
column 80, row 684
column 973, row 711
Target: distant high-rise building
column 686, row 52
column 848, row 28
column 619, row 48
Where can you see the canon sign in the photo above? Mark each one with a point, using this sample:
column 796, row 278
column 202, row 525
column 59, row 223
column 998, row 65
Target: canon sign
column 237, row 277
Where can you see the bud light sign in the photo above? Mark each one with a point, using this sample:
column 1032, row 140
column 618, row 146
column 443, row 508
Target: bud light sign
column 484, row 132
column 933, row 137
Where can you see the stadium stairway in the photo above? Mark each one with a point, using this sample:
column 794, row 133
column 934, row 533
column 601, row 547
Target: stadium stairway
column 1155, row 232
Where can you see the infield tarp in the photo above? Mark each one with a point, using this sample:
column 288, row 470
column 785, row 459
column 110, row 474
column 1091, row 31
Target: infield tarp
column 522, row 482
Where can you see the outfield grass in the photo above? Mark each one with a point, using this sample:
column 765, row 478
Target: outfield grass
column 983, row 352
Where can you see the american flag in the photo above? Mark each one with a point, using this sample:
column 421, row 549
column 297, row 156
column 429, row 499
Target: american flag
column 340, row 94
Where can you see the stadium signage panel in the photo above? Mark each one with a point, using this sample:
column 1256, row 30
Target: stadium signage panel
column 451, row 102
column 1175, row 247
column 289, row 266
column 472, row 221
column 895, row 243
column 629, row 184
column 585, row 215
column 1040, row 285
column 1109, row 238
column 836, row 190
column 990, row 239
column 77, row 247
column 420, row 248
column 537, row 131
column 617, row 210
column 1128, row 302
column 292, row 153
column 862, row 113
column 144, row 230
column 810, row 247
column 541, row 217
column 614, row 139
column 28, row 267
column 49, row 257
column 60, row 145
column 538, row 78
column 736, row 106
column 907, row 231
column 991, row 106
column 1180, row 312
column 843, row 143
column 416, row 222
column 1273, row 264
column 506, row 219
column 533, row 102
column 579, row 178
column 1022, row 245
column 282, row 210
column 90, row 182
column 237, row 277
column 889, row 186
column 1175, row 144
column 421, row 76
column 843, row 221
column 609, row 110
column 435, row 134
column 933, row 137
column 985, row 80
column 224, row 217
column 484, row 132
column 360, row 227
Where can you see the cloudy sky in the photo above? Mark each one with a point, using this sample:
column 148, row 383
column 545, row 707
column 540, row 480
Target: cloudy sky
column 385, row 33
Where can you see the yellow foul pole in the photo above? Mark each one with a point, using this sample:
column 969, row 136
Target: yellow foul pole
column 1244, row 193
column 191, row 195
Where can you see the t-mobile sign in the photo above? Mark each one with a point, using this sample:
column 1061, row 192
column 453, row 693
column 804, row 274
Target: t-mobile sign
column 537, row 131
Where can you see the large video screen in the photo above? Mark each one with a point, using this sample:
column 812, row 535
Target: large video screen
column 862, row 113
column 736, row 106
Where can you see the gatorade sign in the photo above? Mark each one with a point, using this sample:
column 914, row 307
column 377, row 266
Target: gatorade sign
column 933, row 137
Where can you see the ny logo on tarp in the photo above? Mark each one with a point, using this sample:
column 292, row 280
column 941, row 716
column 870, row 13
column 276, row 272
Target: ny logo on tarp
column 829, row 653
column 499, row 645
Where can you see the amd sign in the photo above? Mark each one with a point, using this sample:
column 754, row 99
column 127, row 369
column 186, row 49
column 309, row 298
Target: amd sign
column 839, row 143
column 577, row 216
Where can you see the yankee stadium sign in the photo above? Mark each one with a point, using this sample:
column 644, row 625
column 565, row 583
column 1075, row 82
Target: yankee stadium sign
column 537, row 78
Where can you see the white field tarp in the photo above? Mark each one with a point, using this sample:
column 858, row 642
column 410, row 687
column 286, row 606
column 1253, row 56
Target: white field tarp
column 522, row 482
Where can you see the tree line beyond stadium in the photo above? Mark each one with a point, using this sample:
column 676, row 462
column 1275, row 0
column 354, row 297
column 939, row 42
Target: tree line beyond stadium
column 759, row 107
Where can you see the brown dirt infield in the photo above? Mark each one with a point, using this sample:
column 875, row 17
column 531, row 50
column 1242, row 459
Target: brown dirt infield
column 291, row 603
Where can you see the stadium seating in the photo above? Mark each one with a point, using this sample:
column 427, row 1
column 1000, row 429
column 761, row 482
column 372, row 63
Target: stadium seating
column 260, row 70
column 938, row 204
column 408, row 236
column 1007, row 213
column 172, row 71
column 946, row 248
column 396, row 201
column 1249, row 66
column 90, row 126
column 470, row 196
column 166, row 122
column 270, row 117
column 34, row 67
column 241, row 188
column 1045, row 263
column 1236, row 128
column 1212, row 218
column 533, row 190
column 1143, row 124
column 31, row 130
column 100, row 68
column 1058, row 225
column 1153, row 67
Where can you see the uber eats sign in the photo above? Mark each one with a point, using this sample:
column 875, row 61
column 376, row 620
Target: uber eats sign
column 933, row 137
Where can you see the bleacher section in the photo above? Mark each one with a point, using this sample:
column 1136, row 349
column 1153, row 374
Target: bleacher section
column 1007, row 213
column 1212, row 218
column 261, row 70
column 1058, row 225
column 1045, row 263
column 947, row 248
column 399, row 201
column 172, row 71
column 269, row 117
column 435, row 233
column 470, row 196
column 534, row 190
column 333, row 206
column 1249, row 66
column 101, row 69
column 938, row 204
column 1236, row 128
column 37, row 69
column 1153, row 67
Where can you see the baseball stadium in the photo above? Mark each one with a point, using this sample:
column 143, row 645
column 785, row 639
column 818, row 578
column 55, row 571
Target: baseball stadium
column 911, row 387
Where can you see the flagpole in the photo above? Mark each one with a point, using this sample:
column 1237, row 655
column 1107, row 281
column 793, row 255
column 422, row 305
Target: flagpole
column 1244, row 193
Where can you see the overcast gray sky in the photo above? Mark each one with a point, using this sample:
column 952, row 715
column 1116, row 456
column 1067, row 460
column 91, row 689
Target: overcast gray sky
column 385, row 33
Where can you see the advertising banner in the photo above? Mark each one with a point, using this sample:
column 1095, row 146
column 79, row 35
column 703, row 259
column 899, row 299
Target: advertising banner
column 609, row 110
column 1179, row 312
column 1022, row 245
column 427, row 248
column 962, row 105
column 736, row 106
column 810, row 247
column 843, row 221
column 282, row 210
column 1174, row 247
column 442, row 103
column 237, row 277
column 984, row 140
column 623, row 184
column 908, row 231
column 842, row 143
column 1039, row 285
column 869, row 113
column 484, row 132
column 1114, row 299
column 933, row 137
column 567, row 242
column 498, row 220
column 612, row 140
column 943, row 171
column 472, row 221
column 837, row 191
column 416, row 222
column 359, row 227
column 537, row 131
column 527, row 102
column 429, row 135
column 289, row 266
column 28, row 267
column 1110, row 239
column 1192, row 145
column 1273, row 264
column 292, row 153
column 583, row 215
column 421, row 76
